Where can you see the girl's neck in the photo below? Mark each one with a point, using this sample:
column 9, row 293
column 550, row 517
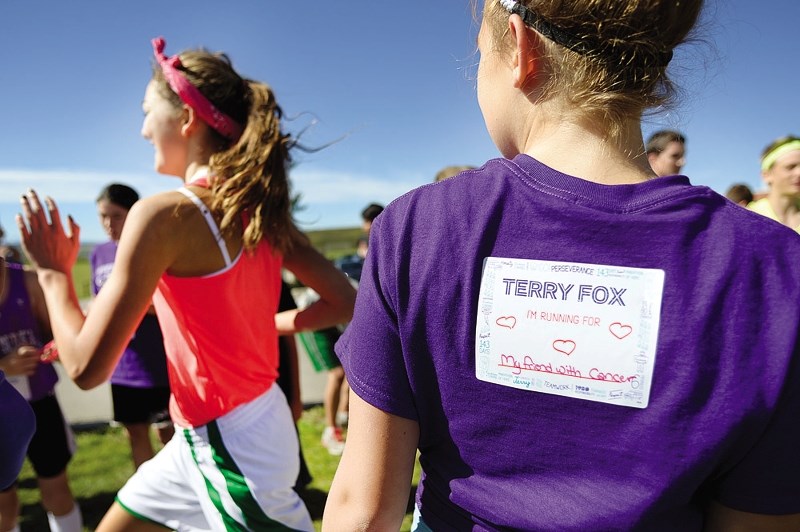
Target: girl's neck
column 584, row 148
column 197, row 158
column 195, row 170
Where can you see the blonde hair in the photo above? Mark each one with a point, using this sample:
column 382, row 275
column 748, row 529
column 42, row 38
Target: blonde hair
column 624, row 74
column 251, row 173
column 777, row 143
column 450, row 171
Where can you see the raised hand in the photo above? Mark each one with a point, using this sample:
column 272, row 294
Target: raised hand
column 45, row 242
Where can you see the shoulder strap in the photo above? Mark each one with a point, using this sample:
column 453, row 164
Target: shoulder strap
column 212, row 224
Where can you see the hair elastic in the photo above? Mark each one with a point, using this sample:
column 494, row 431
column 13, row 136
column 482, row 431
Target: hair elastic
column 770, row 158
column 191, row 96
column 566, row 39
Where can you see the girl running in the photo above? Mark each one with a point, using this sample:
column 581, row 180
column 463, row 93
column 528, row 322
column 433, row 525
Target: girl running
column 212, row 252
column 591, row 347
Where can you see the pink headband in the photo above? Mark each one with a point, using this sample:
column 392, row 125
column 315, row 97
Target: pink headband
column 188, row 93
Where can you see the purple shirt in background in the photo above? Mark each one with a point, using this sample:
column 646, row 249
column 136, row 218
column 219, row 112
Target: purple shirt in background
column 144, row 362
column 721, row 421
column 18, row 327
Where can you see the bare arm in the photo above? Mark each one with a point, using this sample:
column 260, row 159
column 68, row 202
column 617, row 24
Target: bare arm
column 371, row 487
column 89, row 347
column 336, row 295
column 720, row 518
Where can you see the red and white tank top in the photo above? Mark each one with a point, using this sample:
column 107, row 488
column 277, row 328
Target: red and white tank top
column 219, row 330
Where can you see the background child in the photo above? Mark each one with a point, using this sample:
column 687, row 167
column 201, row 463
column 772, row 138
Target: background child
column 740, row 194
column 17, row 422
column 24, row 328
column 780, row 169
column 209, row 256
column 139, row 384
column 666, row 151
column 571, row 342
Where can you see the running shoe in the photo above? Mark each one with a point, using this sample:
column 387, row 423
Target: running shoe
column 333, row 441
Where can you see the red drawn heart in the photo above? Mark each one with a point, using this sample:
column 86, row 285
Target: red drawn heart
column 509, row 322
column 620, row 330
column 564, row 346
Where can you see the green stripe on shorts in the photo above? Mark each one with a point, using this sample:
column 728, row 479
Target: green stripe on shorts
column 254, row 515
column 319, row 346
column 230, row 523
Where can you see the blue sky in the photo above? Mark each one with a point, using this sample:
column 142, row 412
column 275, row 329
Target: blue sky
column 392, row 83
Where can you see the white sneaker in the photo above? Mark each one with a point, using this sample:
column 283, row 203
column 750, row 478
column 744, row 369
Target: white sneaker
column 333, row 441
column 342, row 418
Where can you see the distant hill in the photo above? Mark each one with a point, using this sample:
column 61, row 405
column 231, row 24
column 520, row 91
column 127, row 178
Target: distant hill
column 333, row 243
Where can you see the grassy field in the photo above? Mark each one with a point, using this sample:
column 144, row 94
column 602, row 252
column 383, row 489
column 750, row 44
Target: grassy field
column 102, row 464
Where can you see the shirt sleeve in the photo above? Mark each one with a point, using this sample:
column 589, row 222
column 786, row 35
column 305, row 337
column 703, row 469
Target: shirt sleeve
column 766, row 481
column 371, row 349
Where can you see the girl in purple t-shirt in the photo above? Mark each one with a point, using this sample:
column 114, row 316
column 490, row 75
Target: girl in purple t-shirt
column 569, row 341
column 17, row 422
column 139, row 384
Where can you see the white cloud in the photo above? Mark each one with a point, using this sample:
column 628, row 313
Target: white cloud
column 71, row 185
column 328, row 188
column 318, row 187
column 329, row 198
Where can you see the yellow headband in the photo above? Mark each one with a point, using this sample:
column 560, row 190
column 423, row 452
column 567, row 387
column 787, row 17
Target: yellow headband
column 770, row 158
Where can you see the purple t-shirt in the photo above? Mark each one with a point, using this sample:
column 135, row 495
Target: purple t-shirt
column 720, row 423
column 144, row 362
column 18, row 327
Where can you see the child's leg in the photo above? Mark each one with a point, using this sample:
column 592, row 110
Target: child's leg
column 49, row 452
column 62, row 510
column 117, row 519
column 9, row 509
column 136, row 409
column 332, row 438
column 141, row 446
column 342, row 413
column 332, row 395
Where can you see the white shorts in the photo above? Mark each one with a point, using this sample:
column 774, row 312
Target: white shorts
column 235, row 473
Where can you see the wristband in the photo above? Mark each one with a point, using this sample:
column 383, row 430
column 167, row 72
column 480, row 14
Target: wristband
column 49, row 352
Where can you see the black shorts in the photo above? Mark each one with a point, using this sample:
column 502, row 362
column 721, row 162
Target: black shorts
column 140, row 405
column 53, row 442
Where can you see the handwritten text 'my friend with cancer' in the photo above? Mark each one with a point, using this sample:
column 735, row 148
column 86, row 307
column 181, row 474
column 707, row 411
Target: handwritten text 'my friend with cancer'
column 602, row 295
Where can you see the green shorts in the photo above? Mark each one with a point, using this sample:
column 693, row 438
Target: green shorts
column 319, row 346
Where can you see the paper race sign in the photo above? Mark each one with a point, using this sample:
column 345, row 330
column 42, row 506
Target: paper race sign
column 586, row 331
